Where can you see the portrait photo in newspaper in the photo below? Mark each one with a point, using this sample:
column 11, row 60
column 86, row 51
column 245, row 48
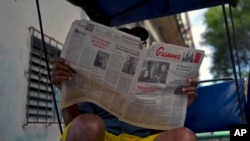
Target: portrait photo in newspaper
column 101, row 59
column 154, row 71
column 130, row 65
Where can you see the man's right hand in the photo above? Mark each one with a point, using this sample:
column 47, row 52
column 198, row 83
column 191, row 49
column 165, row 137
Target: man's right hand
column 60, row 72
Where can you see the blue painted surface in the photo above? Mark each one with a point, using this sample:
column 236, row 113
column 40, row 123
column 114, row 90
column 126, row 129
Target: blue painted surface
column 216, row 107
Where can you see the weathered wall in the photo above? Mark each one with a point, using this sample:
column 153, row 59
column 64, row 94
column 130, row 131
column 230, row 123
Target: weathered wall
column 16, row 16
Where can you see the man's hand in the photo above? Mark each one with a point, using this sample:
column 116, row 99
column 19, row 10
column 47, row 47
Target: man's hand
column 60, row 72
column 191, row 91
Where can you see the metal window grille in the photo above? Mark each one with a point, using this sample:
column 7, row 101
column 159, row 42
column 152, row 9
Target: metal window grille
column 40, row 105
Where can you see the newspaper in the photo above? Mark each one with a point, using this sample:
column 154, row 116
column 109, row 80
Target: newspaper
column 140, row 86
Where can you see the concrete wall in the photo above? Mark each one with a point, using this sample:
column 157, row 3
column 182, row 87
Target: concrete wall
column 16, row 16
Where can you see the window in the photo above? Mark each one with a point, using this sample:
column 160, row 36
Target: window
column 40, row 104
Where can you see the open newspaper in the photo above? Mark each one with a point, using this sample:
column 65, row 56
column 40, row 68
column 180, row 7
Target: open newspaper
column 140, row 86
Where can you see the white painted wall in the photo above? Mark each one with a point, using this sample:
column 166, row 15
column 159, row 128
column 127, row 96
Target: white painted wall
column 16, row 16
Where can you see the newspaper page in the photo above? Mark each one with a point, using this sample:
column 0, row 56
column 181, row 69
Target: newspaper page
column 156, row 100
column 105, row 61
column 139, row 86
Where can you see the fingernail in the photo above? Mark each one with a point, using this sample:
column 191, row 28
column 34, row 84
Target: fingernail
column 70, row 78
column 183, row 89
column 66, row 63
column 189, row 80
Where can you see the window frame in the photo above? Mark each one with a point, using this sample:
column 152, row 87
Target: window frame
column 40, row 106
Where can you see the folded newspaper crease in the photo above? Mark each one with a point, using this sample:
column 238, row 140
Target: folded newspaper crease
column 139, row 86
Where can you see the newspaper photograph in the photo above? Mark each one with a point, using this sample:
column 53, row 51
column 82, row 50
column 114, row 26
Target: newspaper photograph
column 156, row 100
column 139, row 86
column 105, row 61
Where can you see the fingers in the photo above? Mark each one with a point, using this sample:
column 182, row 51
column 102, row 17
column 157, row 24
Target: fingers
column 60, row 60
column 191, row 90
column 60, row 64
column 193, row 82
column 57, row 80
column 60, row 72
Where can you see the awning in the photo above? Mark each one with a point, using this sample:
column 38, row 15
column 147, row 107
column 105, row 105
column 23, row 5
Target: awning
column 118, row 12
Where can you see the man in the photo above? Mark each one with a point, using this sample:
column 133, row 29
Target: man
column 88, row 122
column 162, row 74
